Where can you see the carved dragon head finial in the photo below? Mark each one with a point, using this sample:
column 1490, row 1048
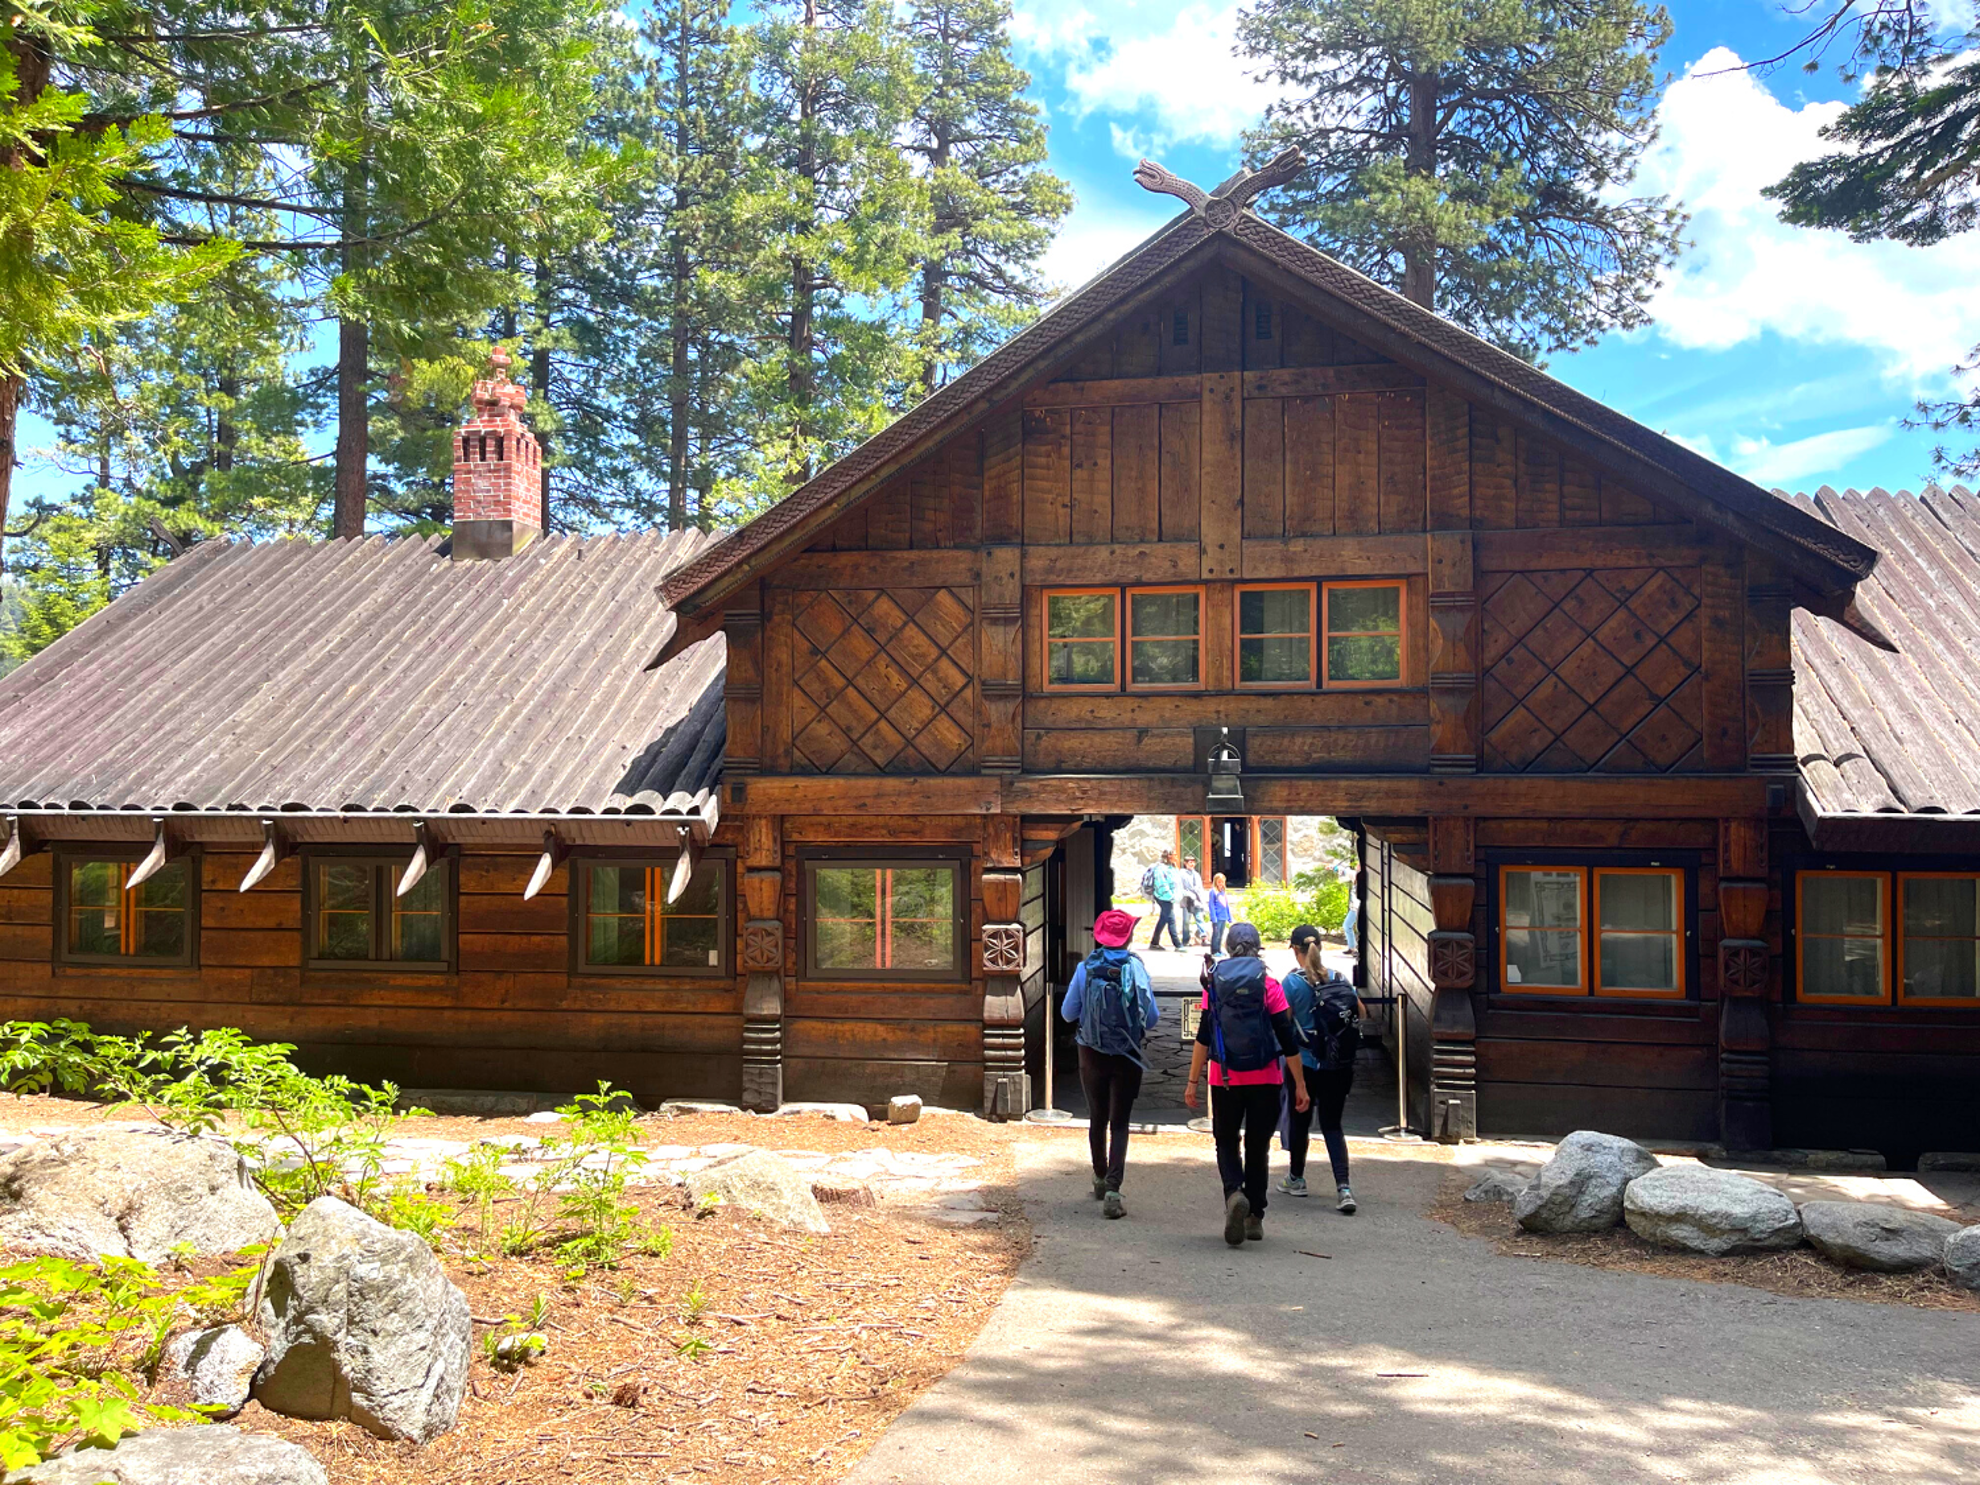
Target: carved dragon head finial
column 1220, row 208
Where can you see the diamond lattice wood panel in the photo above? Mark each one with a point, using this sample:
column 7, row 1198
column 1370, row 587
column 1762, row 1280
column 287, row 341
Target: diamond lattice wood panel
column 1592, row 671
column 881, row 681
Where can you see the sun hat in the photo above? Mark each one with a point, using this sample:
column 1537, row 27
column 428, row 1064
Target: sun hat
column 1113, row 928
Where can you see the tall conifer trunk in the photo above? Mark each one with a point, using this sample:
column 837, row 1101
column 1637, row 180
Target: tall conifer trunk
column 31, row 69
column 353, row 368
column 678, row 400
column 802, row 380
column 1420, row 258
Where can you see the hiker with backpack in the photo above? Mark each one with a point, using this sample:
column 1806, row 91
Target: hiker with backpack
column 1113, row 1002
column 1160, row 884
column 1247, row 1040
column 1328, row 1014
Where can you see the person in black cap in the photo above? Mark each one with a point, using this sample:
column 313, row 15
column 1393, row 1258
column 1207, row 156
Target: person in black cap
column 1328, row 1014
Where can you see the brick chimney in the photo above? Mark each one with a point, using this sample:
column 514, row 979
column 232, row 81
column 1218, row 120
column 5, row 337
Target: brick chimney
column 497, row 470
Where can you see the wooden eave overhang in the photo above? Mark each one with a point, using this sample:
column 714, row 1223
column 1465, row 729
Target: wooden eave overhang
column 1825, row 563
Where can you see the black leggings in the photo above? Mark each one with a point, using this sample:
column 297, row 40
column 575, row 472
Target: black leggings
column 1328, row 1088
column 1110, row 1084
column 1247, row 1112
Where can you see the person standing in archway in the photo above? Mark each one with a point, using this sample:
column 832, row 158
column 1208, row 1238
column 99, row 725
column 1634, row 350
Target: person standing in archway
column 1247, row 1040
column 1113, row 1003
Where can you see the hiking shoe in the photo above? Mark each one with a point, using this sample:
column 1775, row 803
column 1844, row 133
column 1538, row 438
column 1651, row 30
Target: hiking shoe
column 1254, row 1229
column 1113, row 1206
column 1237, row 1212
column 1346, row 1204
column 1294, row 1185
column 1099, row 1188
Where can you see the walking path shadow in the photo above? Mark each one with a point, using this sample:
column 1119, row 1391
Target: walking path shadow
column 1146, row 1350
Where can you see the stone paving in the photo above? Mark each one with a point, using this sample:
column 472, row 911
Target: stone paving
column 942, row 1187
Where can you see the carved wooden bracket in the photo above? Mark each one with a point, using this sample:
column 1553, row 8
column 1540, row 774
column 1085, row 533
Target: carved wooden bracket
column 1003, row 948
column 763, row 946
column 1746, row 967
column 1453, row 960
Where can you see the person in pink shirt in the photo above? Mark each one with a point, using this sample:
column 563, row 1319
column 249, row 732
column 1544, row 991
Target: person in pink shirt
column 1247, row 1040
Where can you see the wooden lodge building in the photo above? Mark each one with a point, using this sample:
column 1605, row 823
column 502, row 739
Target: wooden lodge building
column 1660, row 833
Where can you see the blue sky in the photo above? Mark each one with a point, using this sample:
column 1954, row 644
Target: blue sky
column 1794, row 357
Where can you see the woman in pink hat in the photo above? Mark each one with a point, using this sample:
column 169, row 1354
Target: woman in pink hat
column 1113, row 1003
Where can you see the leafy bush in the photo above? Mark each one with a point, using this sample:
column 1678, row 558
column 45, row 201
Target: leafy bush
column 579, row 1193
column 1317, row 897
column 78, row 1339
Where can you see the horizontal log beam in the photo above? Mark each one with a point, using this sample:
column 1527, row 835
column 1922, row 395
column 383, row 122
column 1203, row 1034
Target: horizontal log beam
column 1560, row 547
column 1274, row 558
column 931, row 568
column 1661, row 796
column 1137, row 391
column 1301, row 381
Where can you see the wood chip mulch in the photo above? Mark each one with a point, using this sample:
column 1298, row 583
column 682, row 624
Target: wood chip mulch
column 1800, row 1272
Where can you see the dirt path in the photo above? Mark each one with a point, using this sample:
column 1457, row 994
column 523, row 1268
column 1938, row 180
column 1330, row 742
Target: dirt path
column 1147, row 1350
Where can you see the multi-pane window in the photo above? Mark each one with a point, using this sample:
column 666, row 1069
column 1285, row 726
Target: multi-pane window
column 884, row 919
column 1364, row 633
column 1866, row 938
column 628, row 925
column 1272, row 851
column 104, row 918
column 1841, row 932
column 1193, row 842
column 1165, row 637
column 1083, row 638
column 1275, row 635
column 357, row 916
column 1636, row 946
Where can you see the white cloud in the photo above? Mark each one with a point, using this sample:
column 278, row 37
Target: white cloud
column 1172, row 69
column 1767, row 463
column 1093, row 238
column 1725, row 136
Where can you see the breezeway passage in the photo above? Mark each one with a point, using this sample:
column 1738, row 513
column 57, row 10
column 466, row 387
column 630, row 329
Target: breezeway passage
column 1146, row 1350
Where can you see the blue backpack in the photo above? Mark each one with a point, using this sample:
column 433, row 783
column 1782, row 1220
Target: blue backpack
column 1241, row 1027
column 1111, row 1019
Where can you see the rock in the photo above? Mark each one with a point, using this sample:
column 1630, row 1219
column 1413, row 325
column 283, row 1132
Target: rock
column 544, row 1116
column 904, row 1109
column 845, row 1113
column 1948, row 1160
column 130, row 1194
column 1581, row 1188
column 843, row 1191
column 210, row 1455
column 1696, row 1209
column 522, row 1349
column 1962, row 1258
column 764, row 1185
column 486, row 1103
column 218, row 1365
column 362, row 1324
column 675, row 1108
column 1870, row 1235
column 1497, row 1185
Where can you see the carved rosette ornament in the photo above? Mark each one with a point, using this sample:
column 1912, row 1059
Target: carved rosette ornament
column 1453, row 960
column 763, row 945
column 1745, row 966
column 1003, row 948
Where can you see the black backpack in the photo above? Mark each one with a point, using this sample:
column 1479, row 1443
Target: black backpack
column 1336, row 1025
column 1241, row 1027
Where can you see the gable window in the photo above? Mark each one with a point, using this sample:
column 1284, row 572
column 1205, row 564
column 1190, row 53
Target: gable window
column 1636, row 947
column 1082, row 639
column 1275, row 635
column 1842, row 937
column 628, row 926
column 105, row 920
column 1165, row 638
column 1364, row 633
column 355, row 914
column 1179, row 332
column 884, row 919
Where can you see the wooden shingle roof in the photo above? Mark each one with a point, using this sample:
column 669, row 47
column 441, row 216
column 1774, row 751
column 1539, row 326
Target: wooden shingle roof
column 375, row 675
column 1882, row 734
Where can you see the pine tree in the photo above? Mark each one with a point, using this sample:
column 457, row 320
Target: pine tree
column 839, row 219
column 993, row 207
column 1473, row 154
column 1908, row 169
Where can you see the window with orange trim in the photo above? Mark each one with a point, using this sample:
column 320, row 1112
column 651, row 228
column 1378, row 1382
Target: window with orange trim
column 1842, row 937
column 1363, row 624
column 1592, row 930
column 1083, row 639
column 1164, row 639
column 1939, row 942
column 1274, row 636
column 628, row 925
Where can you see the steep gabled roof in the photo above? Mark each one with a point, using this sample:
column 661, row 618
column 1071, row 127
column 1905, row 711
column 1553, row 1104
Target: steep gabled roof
column 1824, row 560
column 375, row 676
column 1880, row 734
